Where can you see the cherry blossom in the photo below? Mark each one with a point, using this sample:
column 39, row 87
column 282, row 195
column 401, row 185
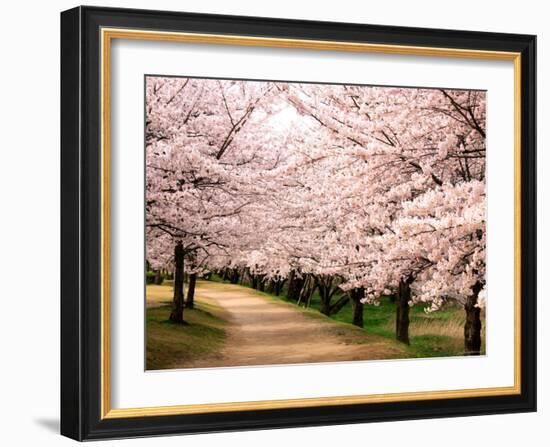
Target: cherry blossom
column 359, row 191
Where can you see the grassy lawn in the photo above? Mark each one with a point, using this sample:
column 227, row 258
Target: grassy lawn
column 431, row 335
column 172, row 345
column 438, row 334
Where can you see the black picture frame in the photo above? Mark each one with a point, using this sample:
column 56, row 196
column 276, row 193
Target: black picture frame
column 81, row 387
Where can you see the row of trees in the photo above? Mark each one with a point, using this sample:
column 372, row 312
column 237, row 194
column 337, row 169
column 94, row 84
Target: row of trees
column 356, row 192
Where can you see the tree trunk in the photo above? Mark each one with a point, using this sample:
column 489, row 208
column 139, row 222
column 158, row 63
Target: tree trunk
column 325, row 307
column 158, row 277
column 249, row 278
column 279, row 286
column 328, row 287
column 325, row 299
column 225, row 275
column 190, row 303
column 261, row 283
column 271, row 286
column 305, row 288
column 472, row 326
column 402, row 311
column 338, row 305
column 178, row 302
column 291, row 276
column 235, row 276
column 295, row 286
column 245, row 277
column 327, row 291
column 308, row 290
column 357, row 306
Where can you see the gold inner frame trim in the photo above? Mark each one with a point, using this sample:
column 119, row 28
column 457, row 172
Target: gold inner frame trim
column 107, row 35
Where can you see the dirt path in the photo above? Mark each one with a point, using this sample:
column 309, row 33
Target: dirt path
column 265, row 331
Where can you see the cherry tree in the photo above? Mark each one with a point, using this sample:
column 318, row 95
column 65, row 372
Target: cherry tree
column 354, row 191
column 411, row 142
column 193, row 170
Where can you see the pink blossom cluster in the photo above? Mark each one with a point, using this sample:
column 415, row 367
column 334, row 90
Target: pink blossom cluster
column 371, row 185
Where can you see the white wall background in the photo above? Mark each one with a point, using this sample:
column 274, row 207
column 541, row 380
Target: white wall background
column 29, row 220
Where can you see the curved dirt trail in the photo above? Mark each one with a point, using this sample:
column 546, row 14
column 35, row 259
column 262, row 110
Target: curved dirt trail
column 264, row 331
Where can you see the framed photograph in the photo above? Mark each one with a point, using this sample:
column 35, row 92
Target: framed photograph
column 275, row 223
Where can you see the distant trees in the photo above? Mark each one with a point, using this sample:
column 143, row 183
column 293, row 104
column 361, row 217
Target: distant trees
column 354, row 192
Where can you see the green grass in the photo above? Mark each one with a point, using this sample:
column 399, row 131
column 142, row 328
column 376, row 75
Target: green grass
column 217, row 278
column 436, row 334
column 204, row 333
